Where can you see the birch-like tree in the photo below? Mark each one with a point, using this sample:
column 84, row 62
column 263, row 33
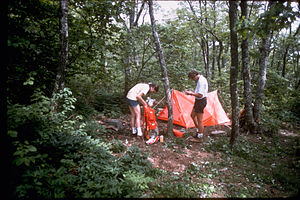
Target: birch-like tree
column 249, row 120
column 63, row 27
column 64, row 48
column 130, row 57
column 164, row 70
column 263, row 60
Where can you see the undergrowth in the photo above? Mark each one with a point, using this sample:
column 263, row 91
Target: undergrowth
column 59, row 155
column 258, row 166
column 63, row 155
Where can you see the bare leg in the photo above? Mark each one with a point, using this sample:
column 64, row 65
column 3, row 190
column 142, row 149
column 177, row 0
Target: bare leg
column 200, row 123
column 132, row 117
column 193, row 116
column 137, row 112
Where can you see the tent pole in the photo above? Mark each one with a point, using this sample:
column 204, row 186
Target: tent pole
column 162, row 99
column 159, row 102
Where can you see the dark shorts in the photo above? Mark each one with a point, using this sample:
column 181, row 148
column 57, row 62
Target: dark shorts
column 132, row 103
column 200, row 105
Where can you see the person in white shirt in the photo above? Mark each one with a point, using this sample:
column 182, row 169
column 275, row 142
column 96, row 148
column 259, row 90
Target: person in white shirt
column 133, row 98
column 200, row 102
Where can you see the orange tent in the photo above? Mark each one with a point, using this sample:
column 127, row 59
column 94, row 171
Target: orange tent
column 182, row 107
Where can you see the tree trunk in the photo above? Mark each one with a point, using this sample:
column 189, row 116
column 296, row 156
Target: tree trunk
column 131, row 56
column 213, row 60
column 263, row 62
column 129, row 49
column 273, row 56
column 63, row 26
column 284, row 61
column 203, row 43
column 249, row 125
column 214, row 44
column 261, row 77
column 220, row 57
column 164, row 70
column 234, row 71
column 287, row 50
column 206, row 22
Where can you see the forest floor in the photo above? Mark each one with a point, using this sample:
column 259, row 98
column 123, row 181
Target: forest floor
column 258, row 166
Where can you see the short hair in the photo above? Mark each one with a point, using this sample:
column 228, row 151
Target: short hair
column 155, row 86
column 192, row 74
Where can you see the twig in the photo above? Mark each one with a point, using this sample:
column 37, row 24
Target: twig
column 159, row 102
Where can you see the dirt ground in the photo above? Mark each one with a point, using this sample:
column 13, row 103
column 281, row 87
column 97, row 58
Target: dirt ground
column 176, row 155
column 161, row 156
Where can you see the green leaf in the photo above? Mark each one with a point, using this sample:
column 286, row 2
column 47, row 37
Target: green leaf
column 13, row 134
column 19, row 161
column 29, row 82
column 32, row 148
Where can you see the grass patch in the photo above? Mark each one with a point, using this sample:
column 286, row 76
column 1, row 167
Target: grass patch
column 258, row 166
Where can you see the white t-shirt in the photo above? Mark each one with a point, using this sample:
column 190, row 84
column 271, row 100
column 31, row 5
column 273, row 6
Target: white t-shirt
column 140, row 87
column 202, row 87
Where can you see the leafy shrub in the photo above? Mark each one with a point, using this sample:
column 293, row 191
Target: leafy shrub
column 117, row 146
column 137, row 160
column 281, row 102
column 60, row 158
column 93, row 128
column 82, row 108
column 135, row 182
column 177, row 190
column 110, row 104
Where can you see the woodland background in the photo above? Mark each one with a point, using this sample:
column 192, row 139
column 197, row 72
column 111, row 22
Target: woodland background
column 70, row 62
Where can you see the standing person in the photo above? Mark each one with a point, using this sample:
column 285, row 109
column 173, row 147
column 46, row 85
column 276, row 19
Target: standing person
column 200, row 102
column 133, row 98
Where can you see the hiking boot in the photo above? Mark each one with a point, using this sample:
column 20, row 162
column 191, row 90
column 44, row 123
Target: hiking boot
column 196, row 139
column 139, row 134
column 133, row 131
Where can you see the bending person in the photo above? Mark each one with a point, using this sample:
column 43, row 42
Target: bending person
column 133, row 98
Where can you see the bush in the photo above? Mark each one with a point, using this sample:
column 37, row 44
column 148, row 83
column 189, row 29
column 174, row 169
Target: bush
column 60, row 158
column 110, row 104
column 84, row 109
column 117, row 146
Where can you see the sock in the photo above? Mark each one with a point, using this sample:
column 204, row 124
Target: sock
column 139, row 131
column 133, row 130
column 200, row 135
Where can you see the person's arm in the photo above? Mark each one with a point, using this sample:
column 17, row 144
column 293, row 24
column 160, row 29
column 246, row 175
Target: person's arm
column 194, row 94
column 140, row 99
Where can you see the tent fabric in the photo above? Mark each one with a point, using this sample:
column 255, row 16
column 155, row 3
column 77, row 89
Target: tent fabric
column 183, row 105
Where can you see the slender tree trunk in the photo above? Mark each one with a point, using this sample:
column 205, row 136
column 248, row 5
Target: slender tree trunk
column 130, row 54
column 206, row 22
column 297, row 72
column 214, row 44
column 129, row 50
column 284, row 61
column 263, row 62
column 64, row 48
column 204, row 42
column 224, row 60
column 287, row 50
column 261, row 77
column 164, row 70
column 234, row 71
column 249, row 125
column 207, row 59
column 273, row 56
column 213, row 60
